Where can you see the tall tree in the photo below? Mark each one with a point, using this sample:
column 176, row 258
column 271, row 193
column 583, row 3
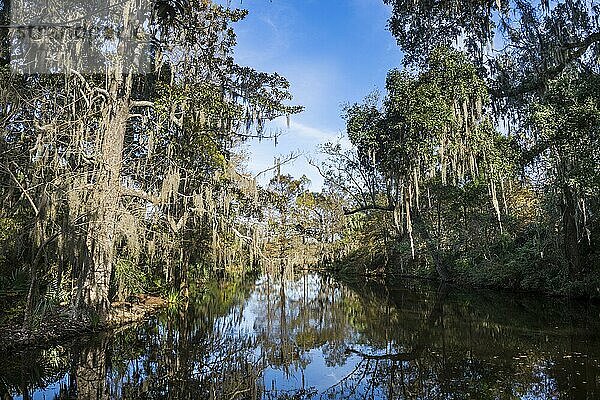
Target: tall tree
column 525, row 50
column 432, row 140
column 118, row 166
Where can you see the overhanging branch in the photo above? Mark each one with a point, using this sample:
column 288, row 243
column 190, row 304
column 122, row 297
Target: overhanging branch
column 574, row 49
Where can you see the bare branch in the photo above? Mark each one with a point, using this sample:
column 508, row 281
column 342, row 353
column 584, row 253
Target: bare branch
column 289, row 158
column 367, row 208
column 25, row 192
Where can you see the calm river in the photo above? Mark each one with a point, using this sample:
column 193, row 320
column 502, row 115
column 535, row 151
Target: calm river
column 314, row 337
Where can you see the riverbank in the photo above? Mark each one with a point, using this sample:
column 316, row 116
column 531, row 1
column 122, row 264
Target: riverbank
column 59, row 325
column 512, row 272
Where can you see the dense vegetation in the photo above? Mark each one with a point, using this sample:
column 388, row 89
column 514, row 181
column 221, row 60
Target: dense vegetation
column 126, row 181
column 481, row 163
column 478, row 165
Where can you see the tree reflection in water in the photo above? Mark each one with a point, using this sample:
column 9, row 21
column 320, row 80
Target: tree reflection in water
column 311, row 337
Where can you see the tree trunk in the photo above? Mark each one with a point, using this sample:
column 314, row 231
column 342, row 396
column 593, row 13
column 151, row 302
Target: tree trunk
column 570, row 236
column 104, row 200
column 104, row 207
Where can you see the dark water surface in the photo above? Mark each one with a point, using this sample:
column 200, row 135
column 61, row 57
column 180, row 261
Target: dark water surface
column 312, row 337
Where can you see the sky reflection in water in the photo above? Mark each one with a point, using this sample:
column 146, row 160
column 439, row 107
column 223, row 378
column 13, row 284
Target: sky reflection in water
column 311, row 337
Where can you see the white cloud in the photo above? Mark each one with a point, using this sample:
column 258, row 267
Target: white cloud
column 298, row 138
column 298, row 130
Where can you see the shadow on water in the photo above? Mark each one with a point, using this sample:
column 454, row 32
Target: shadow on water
column 312, row 337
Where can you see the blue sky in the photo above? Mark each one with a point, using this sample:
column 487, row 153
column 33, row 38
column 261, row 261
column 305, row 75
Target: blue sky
column 332, row 52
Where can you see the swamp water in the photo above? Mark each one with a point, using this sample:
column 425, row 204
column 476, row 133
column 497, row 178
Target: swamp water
column 314, row 337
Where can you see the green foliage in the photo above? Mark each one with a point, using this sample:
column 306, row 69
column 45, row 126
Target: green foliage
column 142, row 186
column 173, row 298
column 509, row 209
column 9, row 229
column 14, row 281
column 566, row 121
column 129, row 278
column 432, row 159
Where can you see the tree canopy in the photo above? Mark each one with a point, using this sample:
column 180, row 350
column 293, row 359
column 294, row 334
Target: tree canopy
column 484, row 144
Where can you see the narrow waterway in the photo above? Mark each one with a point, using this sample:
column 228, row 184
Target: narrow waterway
column 312, row 337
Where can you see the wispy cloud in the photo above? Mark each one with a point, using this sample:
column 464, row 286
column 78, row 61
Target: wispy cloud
column 309, row 132
column 298, row 132
column 265, row 35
